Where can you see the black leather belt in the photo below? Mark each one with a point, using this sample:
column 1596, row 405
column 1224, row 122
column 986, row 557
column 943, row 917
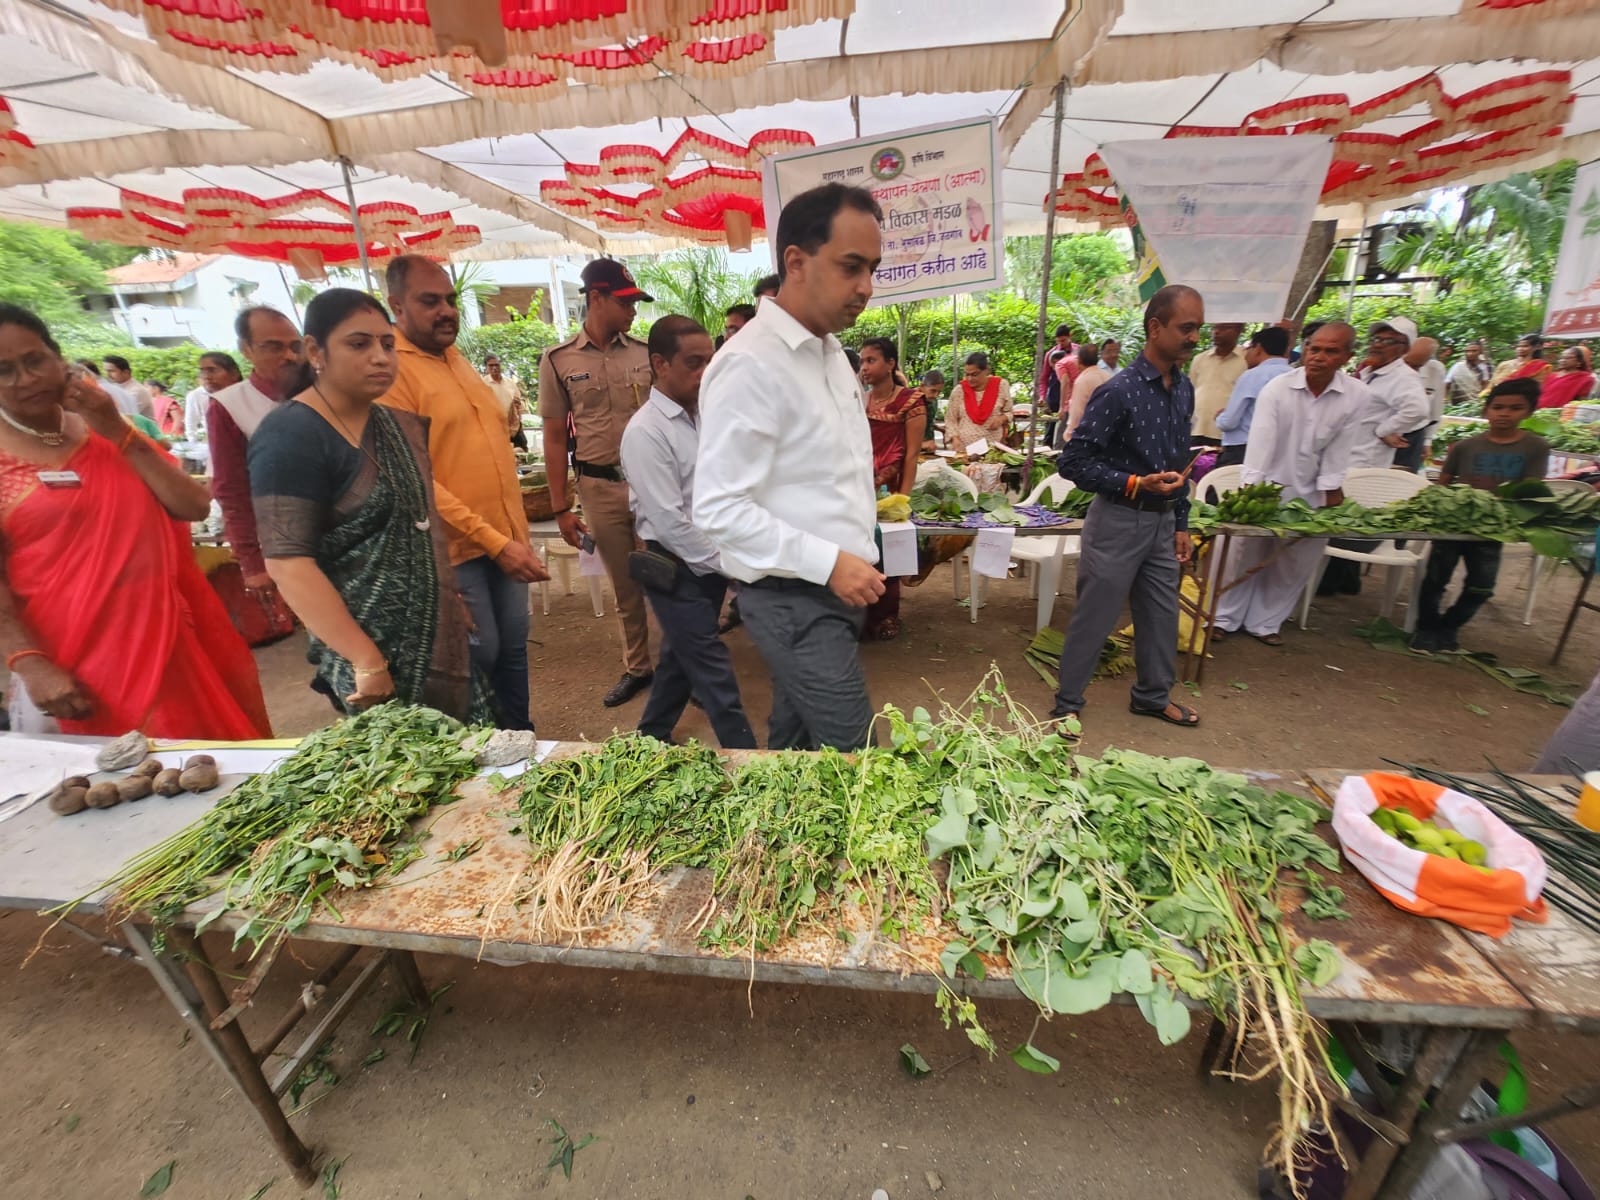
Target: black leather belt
column 599, row 471
column 1155, row 504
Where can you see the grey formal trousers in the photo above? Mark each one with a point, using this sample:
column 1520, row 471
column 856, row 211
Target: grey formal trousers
column 1126, row 556
column 694, row 661
column 1576, row 741
column 809, row 640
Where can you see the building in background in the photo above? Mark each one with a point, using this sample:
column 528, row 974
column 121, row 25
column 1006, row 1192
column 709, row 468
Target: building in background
column 189, row 298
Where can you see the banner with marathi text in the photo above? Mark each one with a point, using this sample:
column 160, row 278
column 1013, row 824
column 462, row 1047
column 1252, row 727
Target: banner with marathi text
column 1226, row 215
column 1575, row 292
column 939, row 187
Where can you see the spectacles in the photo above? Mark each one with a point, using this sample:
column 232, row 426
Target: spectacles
column 1386, row 341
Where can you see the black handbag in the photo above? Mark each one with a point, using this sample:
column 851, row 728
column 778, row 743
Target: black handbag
column 654, row 570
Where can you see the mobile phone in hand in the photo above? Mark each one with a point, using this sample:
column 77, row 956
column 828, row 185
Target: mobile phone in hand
column 586, row 544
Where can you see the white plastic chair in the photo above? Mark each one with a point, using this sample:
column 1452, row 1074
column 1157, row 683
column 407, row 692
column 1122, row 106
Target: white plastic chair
column 1375, row 487
column 1042, row 555
column 1218, row 482
column 1538, row 565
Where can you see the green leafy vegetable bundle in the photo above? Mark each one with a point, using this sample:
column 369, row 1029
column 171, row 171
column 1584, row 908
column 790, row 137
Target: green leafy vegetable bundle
column 334, row 814
column 1125, row 874
column 939, row 499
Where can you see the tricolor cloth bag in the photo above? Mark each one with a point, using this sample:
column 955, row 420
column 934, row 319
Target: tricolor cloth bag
column 1427, row 884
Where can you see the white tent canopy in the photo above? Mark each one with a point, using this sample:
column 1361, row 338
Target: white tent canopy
column 108, row 106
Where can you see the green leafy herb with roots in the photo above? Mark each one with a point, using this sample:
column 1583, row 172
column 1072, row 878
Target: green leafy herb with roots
column 1125, row 874
column 335, row 814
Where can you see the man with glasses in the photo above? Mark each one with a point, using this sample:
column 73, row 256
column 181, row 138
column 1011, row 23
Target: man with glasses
column 270, row 343
column 596, row 380
column 1397, row 405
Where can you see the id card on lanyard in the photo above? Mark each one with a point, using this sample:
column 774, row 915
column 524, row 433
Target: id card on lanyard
column 60, row 479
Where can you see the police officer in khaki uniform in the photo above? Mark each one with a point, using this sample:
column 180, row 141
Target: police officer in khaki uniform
column 598, row 379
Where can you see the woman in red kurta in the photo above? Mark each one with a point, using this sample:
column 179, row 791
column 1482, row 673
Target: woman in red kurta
column 897, row 415
column 105, row 619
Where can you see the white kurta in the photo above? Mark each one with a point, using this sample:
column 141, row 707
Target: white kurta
column 1304, row 442
column 1399, row 405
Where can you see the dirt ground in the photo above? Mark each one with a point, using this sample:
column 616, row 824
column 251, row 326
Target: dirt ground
column 694, row 1088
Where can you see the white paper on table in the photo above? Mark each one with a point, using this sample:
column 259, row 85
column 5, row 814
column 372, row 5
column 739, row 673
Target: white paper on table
column 590, row 564
column 978, row 448
column 899, row 548
column 29, row 767
column 992, row 555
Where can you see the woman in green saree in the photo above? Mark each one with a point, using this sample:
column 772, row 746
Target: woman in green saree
column 343, row 494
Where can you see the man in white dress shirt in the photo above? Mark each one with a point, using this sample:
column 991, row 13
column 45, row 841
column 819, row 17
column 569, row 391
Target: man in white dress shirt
column 1304, row 427
column 658, row 459
column 783, row 486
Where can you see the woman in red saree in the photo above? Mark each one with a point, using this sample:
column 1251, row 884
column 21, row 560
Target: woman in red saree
column 105, row 619
column 897, row 416
column 1526, row 365
column 1571, row 381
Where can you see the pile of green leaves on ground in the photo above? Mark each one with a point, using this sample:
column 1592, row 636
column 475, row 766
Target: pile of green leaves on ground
column 941, row 499
column 335, row 814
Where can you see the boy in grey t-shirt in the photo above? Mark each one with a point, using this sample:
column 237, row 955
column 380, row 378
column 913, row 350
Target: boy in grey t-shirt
column 1506, row 453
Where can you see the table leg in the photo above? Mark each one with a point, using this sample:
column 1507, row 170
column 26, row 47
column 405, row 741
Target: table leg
column 1455, row 1090
column 199, row 998
column 405, row 970
column 1441, row 1049
column 1210, row 600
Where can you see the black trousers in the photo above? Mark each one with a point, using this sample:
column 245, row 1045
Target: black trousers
column 694, row 661
column 1231, row 456
column 1483, row 568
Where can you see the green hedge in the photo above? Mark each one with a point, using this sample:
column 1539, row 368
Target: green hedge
column 518, row 344
column 177, row 368
column 1004, row 325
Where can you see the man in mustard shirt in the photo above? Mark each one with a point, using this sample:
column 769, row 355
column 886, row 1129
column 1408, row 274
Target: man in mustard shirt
column 597, row 379
column 474, row 476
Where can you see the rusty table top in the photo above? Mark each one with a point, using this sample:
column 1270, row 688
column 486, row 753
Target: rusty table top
column 1555, row 966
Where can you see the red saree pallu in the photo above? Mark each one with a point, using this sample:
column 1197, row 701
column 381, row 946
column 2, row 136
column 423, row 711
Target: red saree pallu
column 106, row 580
column 889, row 446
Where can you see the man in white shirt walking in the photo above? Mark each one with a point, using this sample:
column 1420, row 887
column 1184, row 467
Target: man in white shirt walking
column 783, row 486
column 679, row 570
column 1399, row 404
column 1421, row 359
column 1304, row 426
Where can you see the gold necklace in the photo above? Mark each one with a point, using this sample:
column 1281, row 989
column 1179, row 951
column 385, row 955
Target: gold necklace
column 49, row 439
column 360, row 445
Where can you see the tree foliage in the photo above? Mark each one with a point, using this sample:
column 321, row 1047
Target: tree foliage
column 1084, row 267
column 518, row 343
column 696, row 283
column 49, row 271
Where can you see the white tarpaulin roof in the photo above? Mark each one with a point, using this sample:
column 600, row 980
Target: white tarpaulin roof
column 107, row 106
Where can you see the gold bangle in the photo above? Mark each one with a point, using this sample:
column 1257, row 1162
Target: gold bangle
column 362, row 673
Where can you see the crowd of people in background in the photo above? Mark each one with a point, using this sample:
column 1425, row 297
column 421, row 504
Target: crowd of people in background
column 367, row 480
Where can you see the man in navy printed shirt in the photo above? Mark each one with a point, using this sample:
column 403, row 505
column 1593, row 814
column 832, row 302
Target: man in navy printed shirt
column 1130, row 449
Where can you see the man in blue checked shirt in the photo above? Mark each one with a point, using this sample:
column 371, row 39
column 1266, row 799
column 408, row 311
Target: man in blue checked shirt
column 1131, row 448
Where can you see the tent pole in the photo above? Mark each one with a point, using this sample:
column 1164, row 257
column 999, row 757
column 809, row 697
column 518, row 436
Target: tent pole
column 355, row 221
column 1044, row 287
column 1355, row 260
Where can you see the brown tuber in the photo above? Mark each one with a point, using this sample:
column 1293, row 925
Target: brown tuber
column 103, row 795
column 68, row 800
column 166, row 783
column 150, row 767
column 134, row 787
column 77, row 781
column 199, row 776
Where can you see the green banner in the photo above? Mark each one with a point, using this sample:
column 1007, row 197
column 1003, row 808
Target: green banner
column 1148, row 271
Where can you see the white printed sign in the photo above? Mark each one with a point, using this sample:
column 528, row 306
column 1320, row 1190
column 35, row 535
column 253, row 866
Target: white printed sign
column 1575, row 291
column 992, row 554
column 899, row 548
column 1228, row 216
column 939, row 187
